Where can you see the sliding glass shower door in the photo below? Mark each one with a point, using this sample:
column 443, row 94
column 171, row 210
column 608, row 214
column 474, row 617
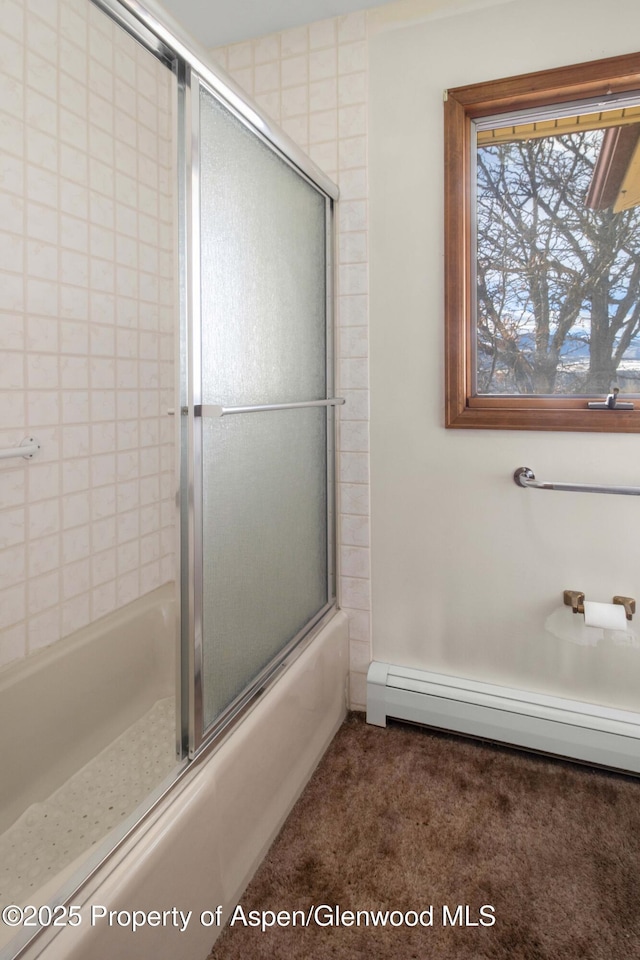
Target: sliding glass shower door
column 263, row 410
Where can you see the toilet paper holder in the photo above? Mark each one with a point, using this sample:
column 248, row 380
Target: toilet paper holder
column 575, row 600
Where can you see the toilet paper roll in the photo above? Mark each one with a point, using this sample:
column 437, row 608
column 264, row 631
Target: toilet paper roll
column 607, row 616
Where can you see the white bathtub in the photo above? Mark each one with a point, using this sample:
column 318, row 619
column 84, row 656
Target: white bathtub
column 203, row 841
column 73, row 723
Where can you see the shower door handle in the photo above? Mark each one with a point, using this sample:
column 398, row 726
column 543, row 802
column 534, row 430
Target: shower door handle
column 216, row 410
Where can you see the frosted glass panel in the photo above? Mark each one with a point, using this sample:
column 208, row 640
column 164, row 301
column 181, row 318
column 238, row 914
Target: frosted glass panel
column 263, row 269
column 265, row 555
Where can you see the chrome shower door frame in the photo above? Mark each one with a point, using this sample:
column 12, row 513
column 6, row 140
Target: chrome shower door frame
column 152, row 27
column 194, row 409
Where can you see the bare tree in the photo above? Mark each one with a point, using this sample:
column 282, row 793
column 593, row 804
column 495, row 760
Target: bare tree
column 558, row 284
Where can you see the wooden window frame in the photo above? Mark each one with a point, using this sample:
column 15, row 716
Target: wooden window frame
column 600, row 78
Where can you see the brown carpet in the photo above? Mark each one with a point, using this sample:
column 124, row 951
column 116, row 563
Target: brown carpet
column 399, row 819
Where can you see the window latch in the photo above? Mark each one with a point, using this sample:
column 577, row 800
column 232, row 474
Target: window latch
column 611, row 403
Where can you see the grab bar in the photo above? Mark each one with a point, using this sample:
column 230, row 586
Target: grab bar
column 26, row 450
column 215, row 410
column 525, row 477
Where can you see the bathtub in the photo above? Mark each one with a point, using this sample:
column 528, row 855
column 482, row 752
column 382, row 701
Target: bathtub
column 71, row 716
column 198, row 847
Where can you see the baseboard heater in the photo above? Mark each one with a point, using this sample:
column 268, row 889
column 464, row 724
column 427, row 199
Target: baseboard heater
column 567, row 728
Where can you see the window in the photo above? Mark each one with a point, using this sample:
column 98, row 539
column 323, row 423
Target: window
column 542, row 250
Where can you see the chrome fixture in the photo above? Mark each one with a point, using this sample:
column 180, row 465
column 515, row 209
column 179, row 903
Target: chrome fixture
column 215, row 410
column 525, row 477
column 611, row 403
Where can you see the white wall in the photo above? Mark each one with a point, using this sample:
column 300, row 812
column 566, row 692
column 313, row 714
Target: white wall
column 465, row 565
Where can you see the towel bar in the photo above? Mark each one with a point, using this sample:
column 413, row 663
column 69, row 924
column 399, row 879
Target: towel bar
column 525, row 477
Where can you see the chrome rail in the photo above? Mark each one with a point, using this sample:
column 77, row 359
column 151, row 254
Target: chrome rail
column 26, row 450
column 215, row 410
column 525, row 477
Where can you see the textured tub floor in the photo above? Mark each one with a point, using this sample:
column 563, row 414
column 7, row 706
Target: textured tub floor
column 51, row 834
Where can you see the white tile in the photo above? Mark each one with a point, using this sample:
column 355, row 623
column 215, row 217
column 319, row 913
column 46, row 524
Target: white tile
column 239, row 55
column 323, row 95
column 103, row 533
column 13, row 644
column 12, row 527
column 270, row 103
column 12, row 134
column 323, row 33
column 358, row 691
column 128, row 587
column 352, row 57
column 354, row 436
column 43, row 592
column 244, row 78
column 359, row 625
column 41, row 39
column 13, row 19
column 353, row 468
column 354, row 531
column 11, row 332
column 353, row 184
column 43, row 518
column 75, row 510
column 75, row 406
column 47, row 9
column 352, row 88
column 353, row 247
column 42, row 260
column 74, row 303
column 266, row 49
column 44, row 554
column 12, row 565
column 352, row 152
column 294, row 101
column 76, row 614
column 42, row 187
column 44, row 481
column 359, row 655
column 325, row 155
column 75, row 475
column 353, row 311
column 352, row 27
column 103, row 567
column 354, row 561
column 352, row 120
column 103, row 502
column 75, row 441
column 294, row 41
column 266, row 78
column 354, row 342
column 355, row 593
column 356, row 406
column 323, row 125
column 43, row 408
column 323, row 64
column 41, row 74
column 103, row 600
column 298, row 129
column 353, row 374
column 352, row 215
column 43, row 629
column 103, row 469
column 353, row 279
column 354, row 499
column 103, row 438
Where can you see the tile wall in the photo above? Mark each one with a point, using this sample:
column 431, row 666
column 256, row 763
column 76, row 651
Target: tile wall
column 86, row 322
column 312, row 80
